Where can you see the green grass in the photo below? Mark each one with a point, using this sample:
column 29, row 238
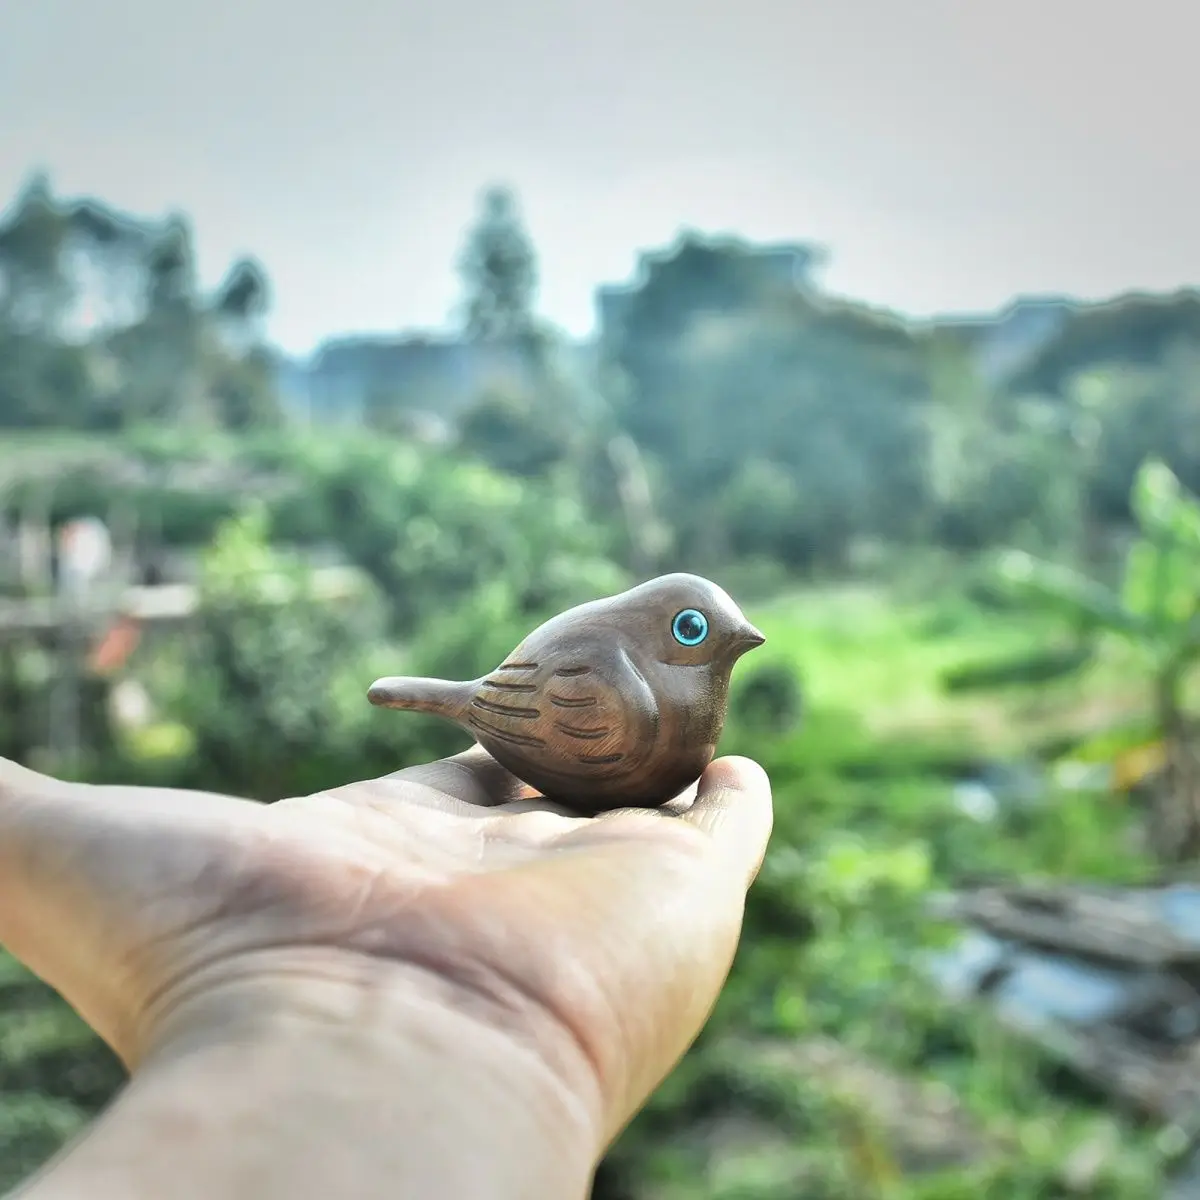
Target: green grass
column 858, row 650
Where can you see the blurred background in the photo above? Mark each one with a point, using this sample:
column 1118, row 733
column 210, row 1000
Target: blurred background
column 350, row 339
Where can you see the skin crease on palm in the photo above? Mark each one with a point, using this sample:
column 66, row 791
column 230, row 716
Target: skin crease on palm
column 600, row 943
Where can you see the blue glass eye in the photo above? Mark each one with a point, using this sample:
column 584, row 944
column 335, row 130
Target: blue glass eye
column 690, row 627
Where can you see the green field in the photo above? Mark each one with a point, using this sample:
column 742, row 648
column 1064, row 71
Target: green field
column 861, row 650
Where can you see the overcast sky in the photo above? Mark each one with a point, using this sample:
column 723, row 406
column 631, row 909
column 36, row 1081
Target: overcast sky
column 951, row 153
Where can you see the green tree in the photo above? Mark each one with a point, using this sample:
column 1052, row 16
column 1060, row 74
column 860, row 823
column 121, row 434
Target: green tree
column 499, row 271
column 36, row 287
column 242, row 389
column 240, row 367
column 1156, row 610
column 505, row 429
column 43, row 378
column 244, row 295
column 830, row 394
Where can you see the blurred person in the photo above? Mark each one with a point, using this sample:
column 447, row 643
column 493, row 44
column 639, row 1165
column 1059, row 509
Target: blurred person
column 433, row 984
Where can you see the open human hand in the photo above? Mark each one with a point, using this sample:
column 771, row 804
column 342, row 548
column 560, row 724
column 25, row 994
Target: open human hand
column 601, row 942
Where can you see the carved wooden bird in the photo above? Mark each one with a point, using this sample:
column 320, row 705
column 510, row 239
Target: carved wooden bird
column 615, row 703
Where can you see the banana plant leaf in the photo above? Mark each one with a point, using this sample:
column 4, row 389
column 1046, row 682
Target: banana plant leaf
column 1083, row 601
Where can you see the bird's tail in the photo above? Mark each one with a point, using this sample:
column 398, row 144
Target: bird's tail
column 437, row 696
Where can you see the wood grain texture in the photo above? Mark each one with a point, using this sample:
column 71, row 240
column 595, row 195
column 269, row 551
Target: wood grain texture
column 609, row 704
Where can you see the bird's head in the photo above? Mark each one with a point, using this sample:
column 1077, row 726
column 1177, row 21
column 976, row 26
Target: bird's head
column 686, row 620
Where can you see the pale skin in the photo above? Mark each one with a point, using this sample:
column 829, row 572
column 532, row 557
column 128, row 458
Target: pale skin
column 432, row 984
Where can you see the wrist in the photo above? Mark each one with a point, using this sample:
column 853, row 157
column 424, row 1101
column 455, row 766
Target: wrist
column 329, row 1087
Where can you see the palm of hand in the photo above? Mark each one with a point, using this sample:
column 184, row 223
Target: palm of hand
column 616, row 931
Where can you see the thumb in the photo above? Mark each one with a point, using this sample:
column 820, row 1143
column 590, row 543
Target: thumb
column 733, row 806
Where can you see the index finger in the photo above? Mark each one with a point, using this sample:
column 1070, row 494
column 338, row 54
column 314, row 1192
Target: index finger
column 733, row 806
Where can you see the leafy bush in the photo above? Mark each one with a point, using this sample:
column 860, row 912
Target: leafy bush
column 431, row 529
column 1041, row 666
column 274, row 693
column 768, row 699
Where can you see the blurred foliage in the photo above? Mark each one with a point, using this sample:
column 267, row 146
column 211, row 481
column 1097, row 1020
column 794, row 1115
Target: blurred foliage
column 271, row 693
column 1156, row 606
column 847, row 473
column 55, row 1073
column 769, row 698
column 426, row 525
column 1156, row 610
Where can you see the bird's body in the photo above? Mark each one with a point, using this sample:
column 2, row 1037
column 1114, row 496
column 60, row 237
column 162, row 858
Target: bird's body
column 609, row 704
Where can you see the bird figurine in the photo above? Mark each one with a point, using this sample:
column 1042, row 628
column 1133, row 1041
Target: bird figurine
column 615, row 703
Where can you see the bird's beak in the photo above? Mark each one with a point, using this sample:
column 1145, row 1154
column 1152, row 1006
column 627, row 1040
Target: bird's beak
column 749, row 638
